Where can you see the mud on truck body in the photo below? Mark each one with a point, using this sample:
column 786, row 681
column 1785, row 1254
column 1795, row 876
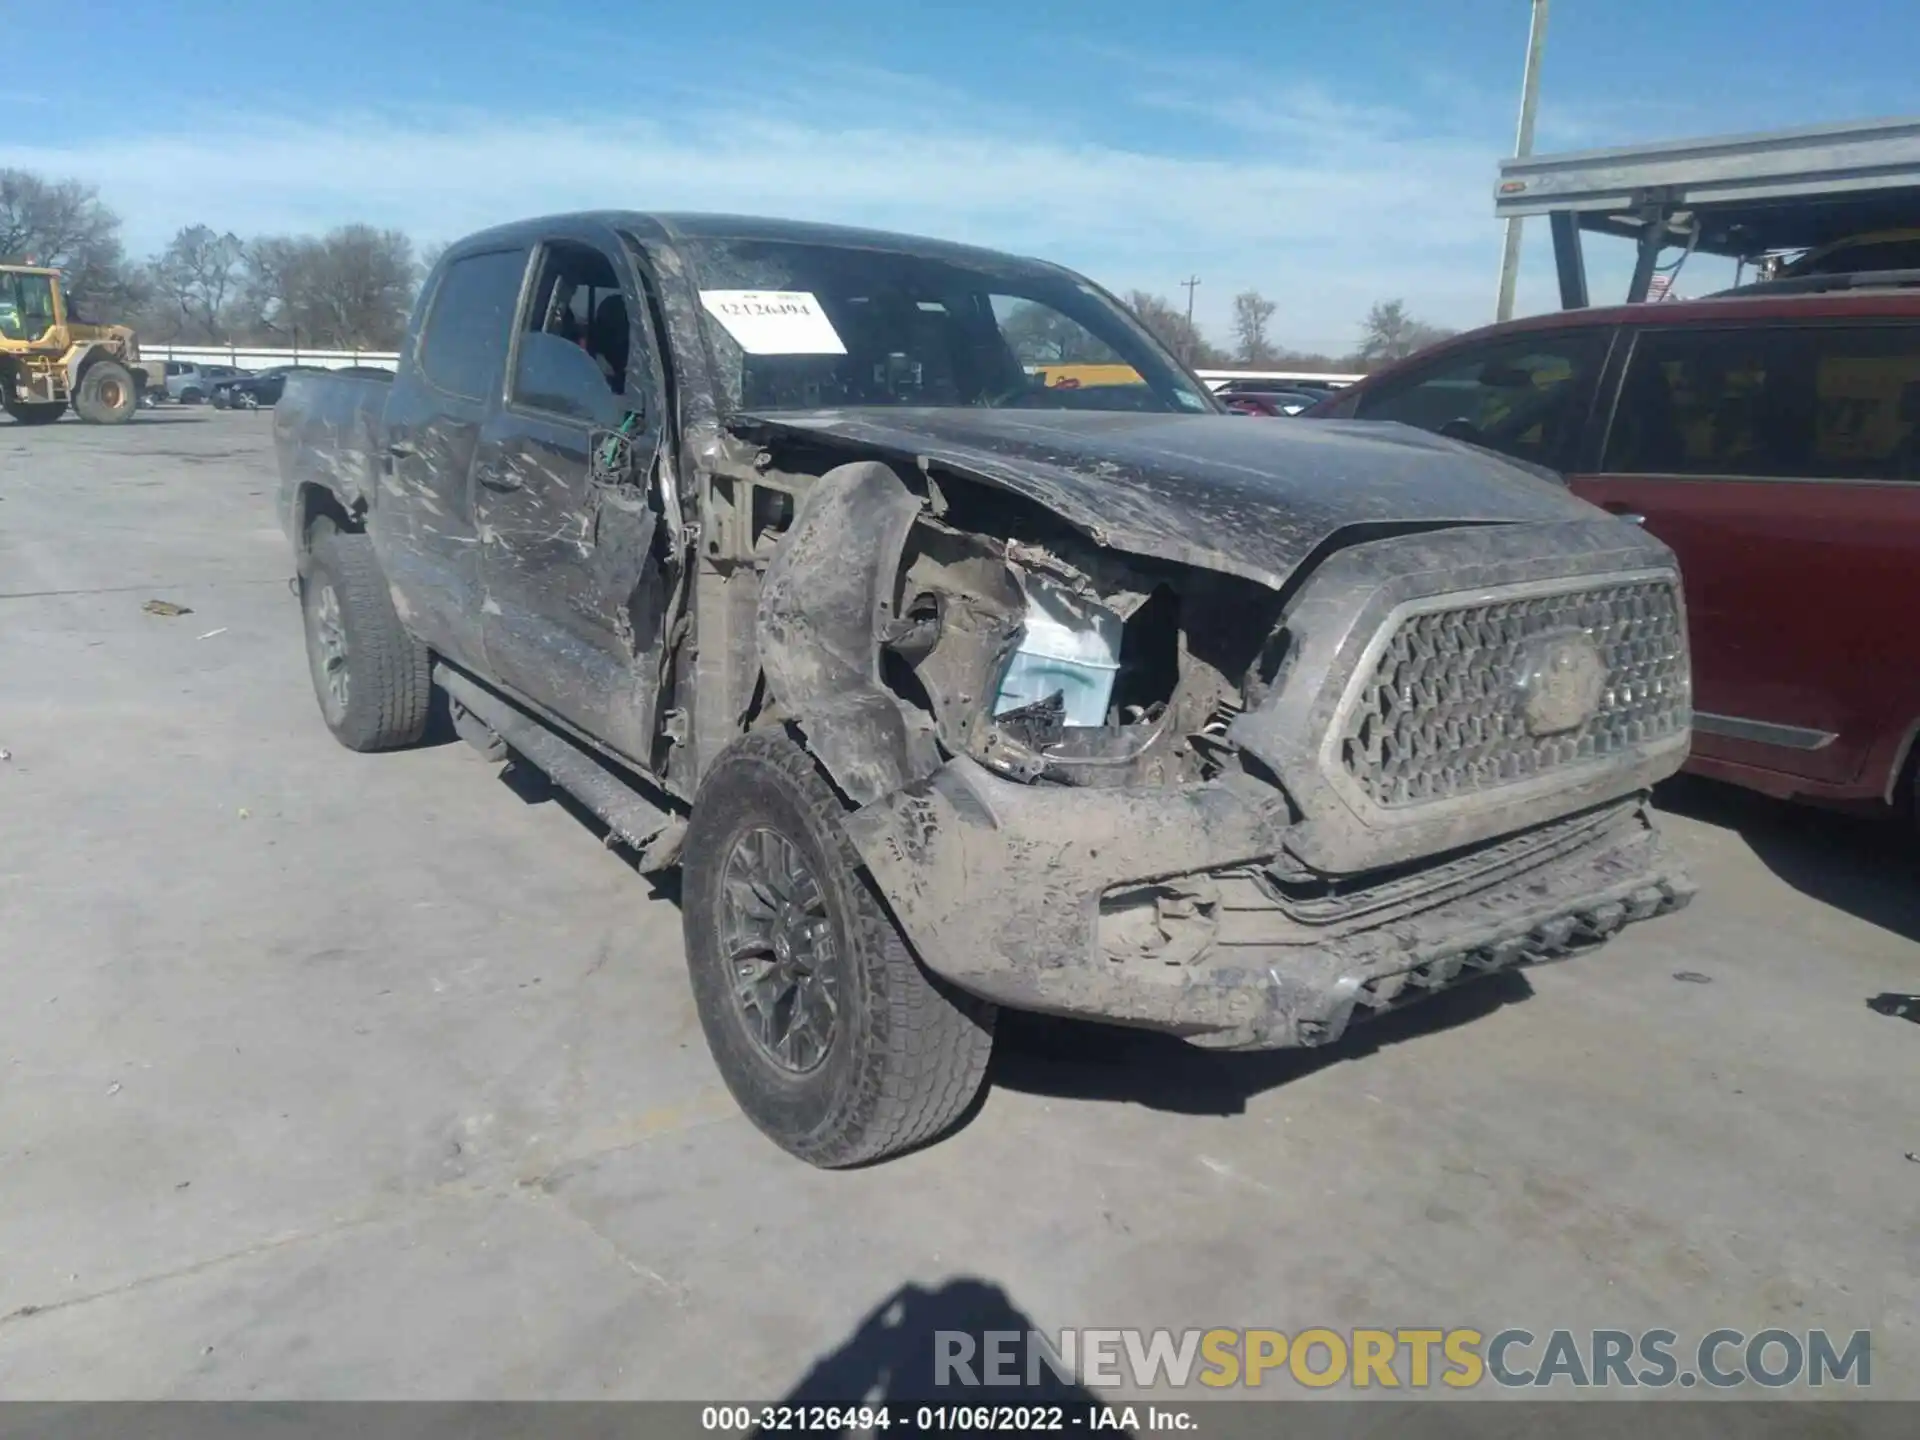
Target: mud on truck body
column 948, row 691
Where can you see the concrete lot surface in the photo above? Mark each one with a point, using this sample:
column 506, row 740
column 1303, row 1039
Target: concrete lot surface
column 327, row 1075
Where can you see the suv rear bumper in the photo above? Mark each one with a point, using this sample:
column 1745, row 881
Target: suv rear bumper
column 1160, row 908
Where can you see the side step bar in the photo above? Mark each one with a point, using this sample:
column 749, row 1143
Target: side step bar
column 630, row 817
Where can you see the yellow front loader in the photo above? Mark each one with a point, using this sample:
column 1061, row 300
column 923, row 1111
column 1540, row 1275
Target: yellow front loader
column 49, row 361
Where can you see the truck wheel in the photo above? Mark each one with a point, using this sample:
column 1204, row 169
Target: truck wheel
column 107, row 394
column 373, row 679
column 31, row 412
column 832, row 1038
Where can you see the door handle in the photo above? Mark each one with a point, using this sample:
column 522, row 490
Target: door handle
column 400, row 449
column 496, row 480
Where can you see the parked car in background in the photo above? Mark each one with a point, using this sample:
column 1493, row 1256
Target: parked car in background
column 259, row 390
column 190, row 384
column 1277, row 401
column 1772, row 438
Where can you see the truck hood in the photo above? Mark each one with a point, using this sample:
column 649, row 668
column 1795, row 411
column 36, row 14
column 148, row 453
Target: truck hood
column 1220, row 492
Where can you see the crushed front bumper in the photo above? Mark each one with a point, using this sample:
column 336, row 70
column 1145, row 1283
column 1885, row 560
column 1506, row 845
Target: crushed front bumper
column 1165, row 908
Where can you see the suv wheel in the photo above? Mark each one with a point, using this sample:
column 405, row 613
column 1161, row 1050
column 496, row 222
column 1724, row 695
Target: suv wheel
column 832, row 1038
column 373, row 679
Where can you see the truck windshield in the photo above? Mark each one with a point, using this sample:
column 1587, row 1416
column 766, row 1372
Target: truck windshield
column 794, row 326
column 26, row 305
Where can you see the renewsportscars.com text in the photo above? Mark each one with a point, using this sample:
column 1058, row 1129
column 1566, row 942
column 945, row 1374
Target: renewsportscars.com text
column 1412, row 1359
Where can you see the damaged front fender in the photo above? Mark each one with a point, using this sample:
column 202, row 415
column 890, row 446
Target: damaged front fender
column 824, row 602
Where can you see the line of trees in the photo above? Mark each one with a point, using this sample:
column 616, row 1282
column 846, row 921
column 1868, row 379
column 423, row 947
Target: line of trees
column 347, row 289
column 1388, row 333
column 351, row 288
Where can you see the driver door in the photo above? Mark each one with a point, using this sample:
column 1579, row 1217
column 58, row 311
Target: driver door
column 1529, row 396
column 573, row 590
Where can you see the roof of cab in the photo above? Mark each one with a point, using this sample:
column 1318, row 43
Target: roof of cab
column 654, row 225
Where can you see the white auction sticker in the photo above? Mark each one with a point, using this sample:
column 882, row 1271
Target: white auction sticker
column 774, row 322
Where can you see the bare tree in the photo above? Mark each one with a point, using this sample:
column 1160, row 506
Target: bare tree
column 63, row 224
column 362, row 287
column 350, row 289
column 1390, row 333
column 1251, row 312
column 1041, row 335
column 198, row 275
column 1171, row 327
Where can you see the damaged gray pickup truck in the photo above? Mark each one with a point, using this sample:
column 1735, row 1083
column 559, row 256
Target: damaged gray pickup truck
column 950, row 690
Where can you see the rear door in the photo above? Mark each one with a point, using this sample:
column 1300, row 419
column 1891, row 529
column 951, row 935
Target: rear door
column 425, row 529
column 574, row 594
column 1781, row 462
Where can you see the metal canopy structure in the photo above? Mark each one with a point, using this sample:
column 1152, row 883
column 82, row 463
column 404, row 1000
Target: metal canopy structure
column 1738, row 196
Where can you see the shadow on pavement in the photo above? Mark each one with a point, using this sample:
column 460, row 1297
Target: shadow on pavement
column 1072, row 1059
column 892, row 1357
column 1899, row 1007
column 1867, row 866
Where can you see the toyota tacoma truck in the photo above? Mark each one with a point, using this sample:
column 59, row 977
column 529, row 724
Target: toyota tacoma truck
column 947, row 690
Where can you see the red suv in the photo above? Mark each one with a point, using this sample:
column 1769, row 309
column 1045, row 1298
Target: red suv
column 1773, row 441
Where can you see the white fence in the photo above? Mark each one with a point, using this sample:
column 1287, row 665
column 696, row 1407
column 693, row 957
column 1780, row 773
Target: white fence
column 256, row 358
column 247, row 357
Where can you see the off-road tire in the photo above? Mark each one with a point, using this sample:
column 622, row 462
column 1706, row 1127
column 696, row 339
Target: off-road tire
column 908, row 1054
column 107, row 394
column 36, row 412
column 389, row 679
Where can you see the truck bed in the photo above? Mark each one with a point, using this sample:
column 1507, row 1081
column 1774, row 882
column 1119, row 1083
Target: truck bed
column 329, row 431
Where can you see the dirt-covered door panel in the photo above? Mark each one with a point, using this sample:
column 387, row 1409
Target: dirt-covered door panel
column 572, row 590
column 424, row 526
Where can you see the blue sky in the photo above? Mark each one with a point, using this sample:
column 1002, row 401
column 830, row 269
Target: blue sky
column 1328, row 155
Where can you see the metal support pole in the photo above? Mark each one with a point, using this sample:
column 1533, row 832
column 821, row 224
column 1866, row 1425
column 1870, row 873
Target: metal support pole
column 1523, row 147
column 1569, row 259
column 1652, row 240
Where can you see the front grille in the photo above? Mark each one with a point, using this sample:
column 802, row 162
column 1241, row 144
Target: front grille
column 1443, row 714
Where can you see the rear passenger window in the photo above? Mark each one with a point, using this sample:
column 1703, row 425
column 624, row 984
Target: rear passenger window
column 465, row 342
column 1820, row 402
column 1528, row 398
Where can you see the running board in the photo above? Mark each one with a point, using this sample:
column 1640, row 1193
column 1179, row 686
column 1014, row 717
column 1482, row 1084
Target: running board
column 630, row 817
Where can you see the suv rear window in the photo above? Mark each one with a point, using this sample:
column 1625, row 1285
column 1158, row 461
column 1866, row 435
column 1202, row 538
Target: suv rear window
column 1827, row 401
column 465, row 342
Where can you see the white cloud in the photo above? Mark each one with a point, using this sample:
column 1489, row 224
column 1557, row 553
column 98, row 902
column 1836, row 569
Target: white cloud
column 1323, row 205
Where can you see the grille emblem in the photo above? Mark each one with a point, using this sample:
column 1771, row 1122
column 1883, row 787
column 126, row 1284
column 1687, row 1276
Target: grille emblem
column 1562, row 678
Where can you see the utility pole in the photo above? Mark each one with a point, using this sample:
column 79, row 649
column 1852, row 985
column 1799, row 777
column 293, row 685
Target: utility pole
column 1522, row 147
column 1189, row 338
